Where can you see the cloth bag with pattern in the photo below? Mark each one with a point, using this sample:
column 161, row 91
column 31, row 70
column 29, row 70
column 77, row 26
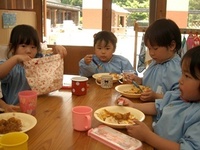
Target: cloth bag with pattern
column 45, row 74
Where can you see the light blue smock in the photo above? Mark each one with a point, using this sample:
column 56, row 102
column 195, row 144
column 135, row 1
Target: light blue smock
column 116, row 65
column 14, row 82
column 163, row 77
column 178, row 120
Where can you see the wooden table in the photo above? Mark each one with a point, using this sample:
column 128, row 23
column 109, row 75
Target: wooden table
column 54, row 130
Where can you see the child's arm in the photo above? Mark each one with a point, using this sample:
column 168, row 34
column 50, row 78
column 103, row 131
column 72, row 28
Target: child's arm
column 150, row 95
column 58, row 49
column 147, row 108
column 8, row 108
column 138, row 80
column 141, row 132
column 10, row 63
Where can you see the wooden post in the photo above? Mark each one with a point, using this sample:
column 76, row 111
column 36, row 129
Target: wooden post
column 45, row 17
column 106, row 14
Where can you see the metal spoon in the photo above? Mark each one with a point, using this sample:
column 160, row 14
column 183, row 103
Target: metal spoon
column 136, row 85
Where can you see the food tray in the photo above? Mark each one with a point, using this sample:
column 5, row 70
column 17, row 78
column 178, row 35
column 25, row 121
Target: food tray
column 114, row 138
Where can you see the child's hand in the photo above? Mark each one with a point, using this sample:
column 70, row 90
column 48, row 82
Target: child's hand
column 148, row 95
column 139, row 130
column 11, row 108
column 88, row 59
column 22, row 58
column 124, row 101
column 137, row 79
column 58, row 49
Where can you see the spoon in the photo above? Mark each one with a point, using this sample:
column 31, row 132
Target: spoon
column 136, row 85
column 98, row 66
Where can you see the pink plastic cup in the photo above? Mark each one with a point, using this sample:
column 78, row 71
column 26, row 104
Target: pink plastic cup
column 28, row 101
column 81, row 118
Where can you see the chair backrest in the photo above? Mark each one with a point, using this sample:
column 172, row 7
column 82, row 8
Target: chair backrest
column 74, row 55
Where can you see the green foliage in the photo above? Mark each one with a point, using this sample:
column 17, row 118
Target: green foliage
column 192, row 18
column 134, row 16
column 72, row 2
column 194, row 5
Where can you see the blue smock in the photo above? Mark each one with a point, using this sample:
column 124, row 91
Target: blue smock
column 116, row 65
column 163, row 77
column 178, row 120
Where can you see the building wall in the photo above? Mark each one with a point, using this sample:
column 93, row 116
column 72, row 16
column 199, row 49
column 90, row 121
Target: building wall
column 178, row 11
column 92, row 14
column 92, row 18
column 22, row 17
column 180, row 17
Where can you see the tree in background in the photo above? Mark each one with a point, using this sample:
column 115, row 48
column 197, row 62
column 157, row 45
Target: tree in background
column 126, row 4
column 72, row 2
column 194, row 5
column 133, row 6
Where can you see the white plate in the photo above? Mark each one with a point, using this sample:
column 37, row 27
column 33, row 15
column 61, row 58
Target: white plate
column 126, row 87
column 120, row 109
column 98, row 75
column 28, row 121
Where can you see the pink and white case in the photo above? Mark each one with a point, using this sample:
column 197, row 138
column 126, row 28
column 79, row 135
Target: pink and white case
column 114, row 138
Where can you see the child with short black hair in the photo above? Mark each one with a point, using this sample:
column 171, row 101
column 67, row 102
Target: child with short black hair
column 163, row 40
column 104, row 61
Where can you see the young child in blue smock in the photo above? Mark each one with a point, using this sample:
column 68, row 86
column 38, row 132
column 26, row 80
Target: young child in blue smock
column 24, row 45
column 163, row 40
column 104, row 60
column 176, row 117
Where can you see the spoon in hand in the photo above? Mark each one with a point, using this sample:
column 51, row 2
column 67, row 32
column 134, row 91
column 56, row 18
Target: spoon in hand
column 136, row 85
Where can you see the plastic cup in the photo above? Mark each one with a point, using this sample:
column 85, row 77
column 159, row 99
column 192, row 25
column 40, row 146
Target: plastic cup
column 14, row 141
column 82, row 118
column 28, row 101
column 128, row 76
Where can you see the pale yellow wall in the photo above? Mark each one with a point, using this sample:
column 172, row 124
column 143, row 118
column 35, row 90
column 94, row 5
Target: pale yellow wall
column 22, row 17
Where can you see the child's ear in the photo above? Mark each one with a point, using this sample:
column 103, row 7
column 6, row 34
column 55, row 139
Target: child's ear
column 172, row 45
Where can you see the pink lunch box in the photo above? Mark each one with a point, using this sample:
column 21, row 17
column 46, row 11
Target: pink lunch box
column 114, row 138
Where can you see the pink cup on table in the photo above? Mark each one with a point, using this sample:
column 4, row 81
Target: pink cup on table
column 82, row 118
column 79, row 85
column 28, row 101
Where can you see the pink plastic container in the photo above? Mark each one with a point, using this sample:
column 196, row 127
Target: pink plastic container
column 114, row 138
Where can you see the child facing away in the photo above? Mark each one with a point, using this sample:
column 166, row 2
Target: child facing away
column 163, row 40
column 177, row 116
column 104, row 60
column 24, row 45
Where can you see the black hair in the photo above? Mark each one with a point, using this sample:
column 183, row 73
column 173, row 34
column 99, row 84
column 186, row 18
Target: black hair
column 192, row 56
column 162, row 32
column 23, row 34
column 106, row 36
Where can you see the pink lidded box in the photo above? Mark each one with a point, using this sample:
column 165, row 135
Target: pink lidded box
column 114, row 138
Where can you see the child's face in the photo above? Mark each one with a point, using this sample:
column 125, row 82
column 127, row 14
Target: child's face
column 189, row 86
column 29, row 50
column 160, row 53
column 104, row 53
